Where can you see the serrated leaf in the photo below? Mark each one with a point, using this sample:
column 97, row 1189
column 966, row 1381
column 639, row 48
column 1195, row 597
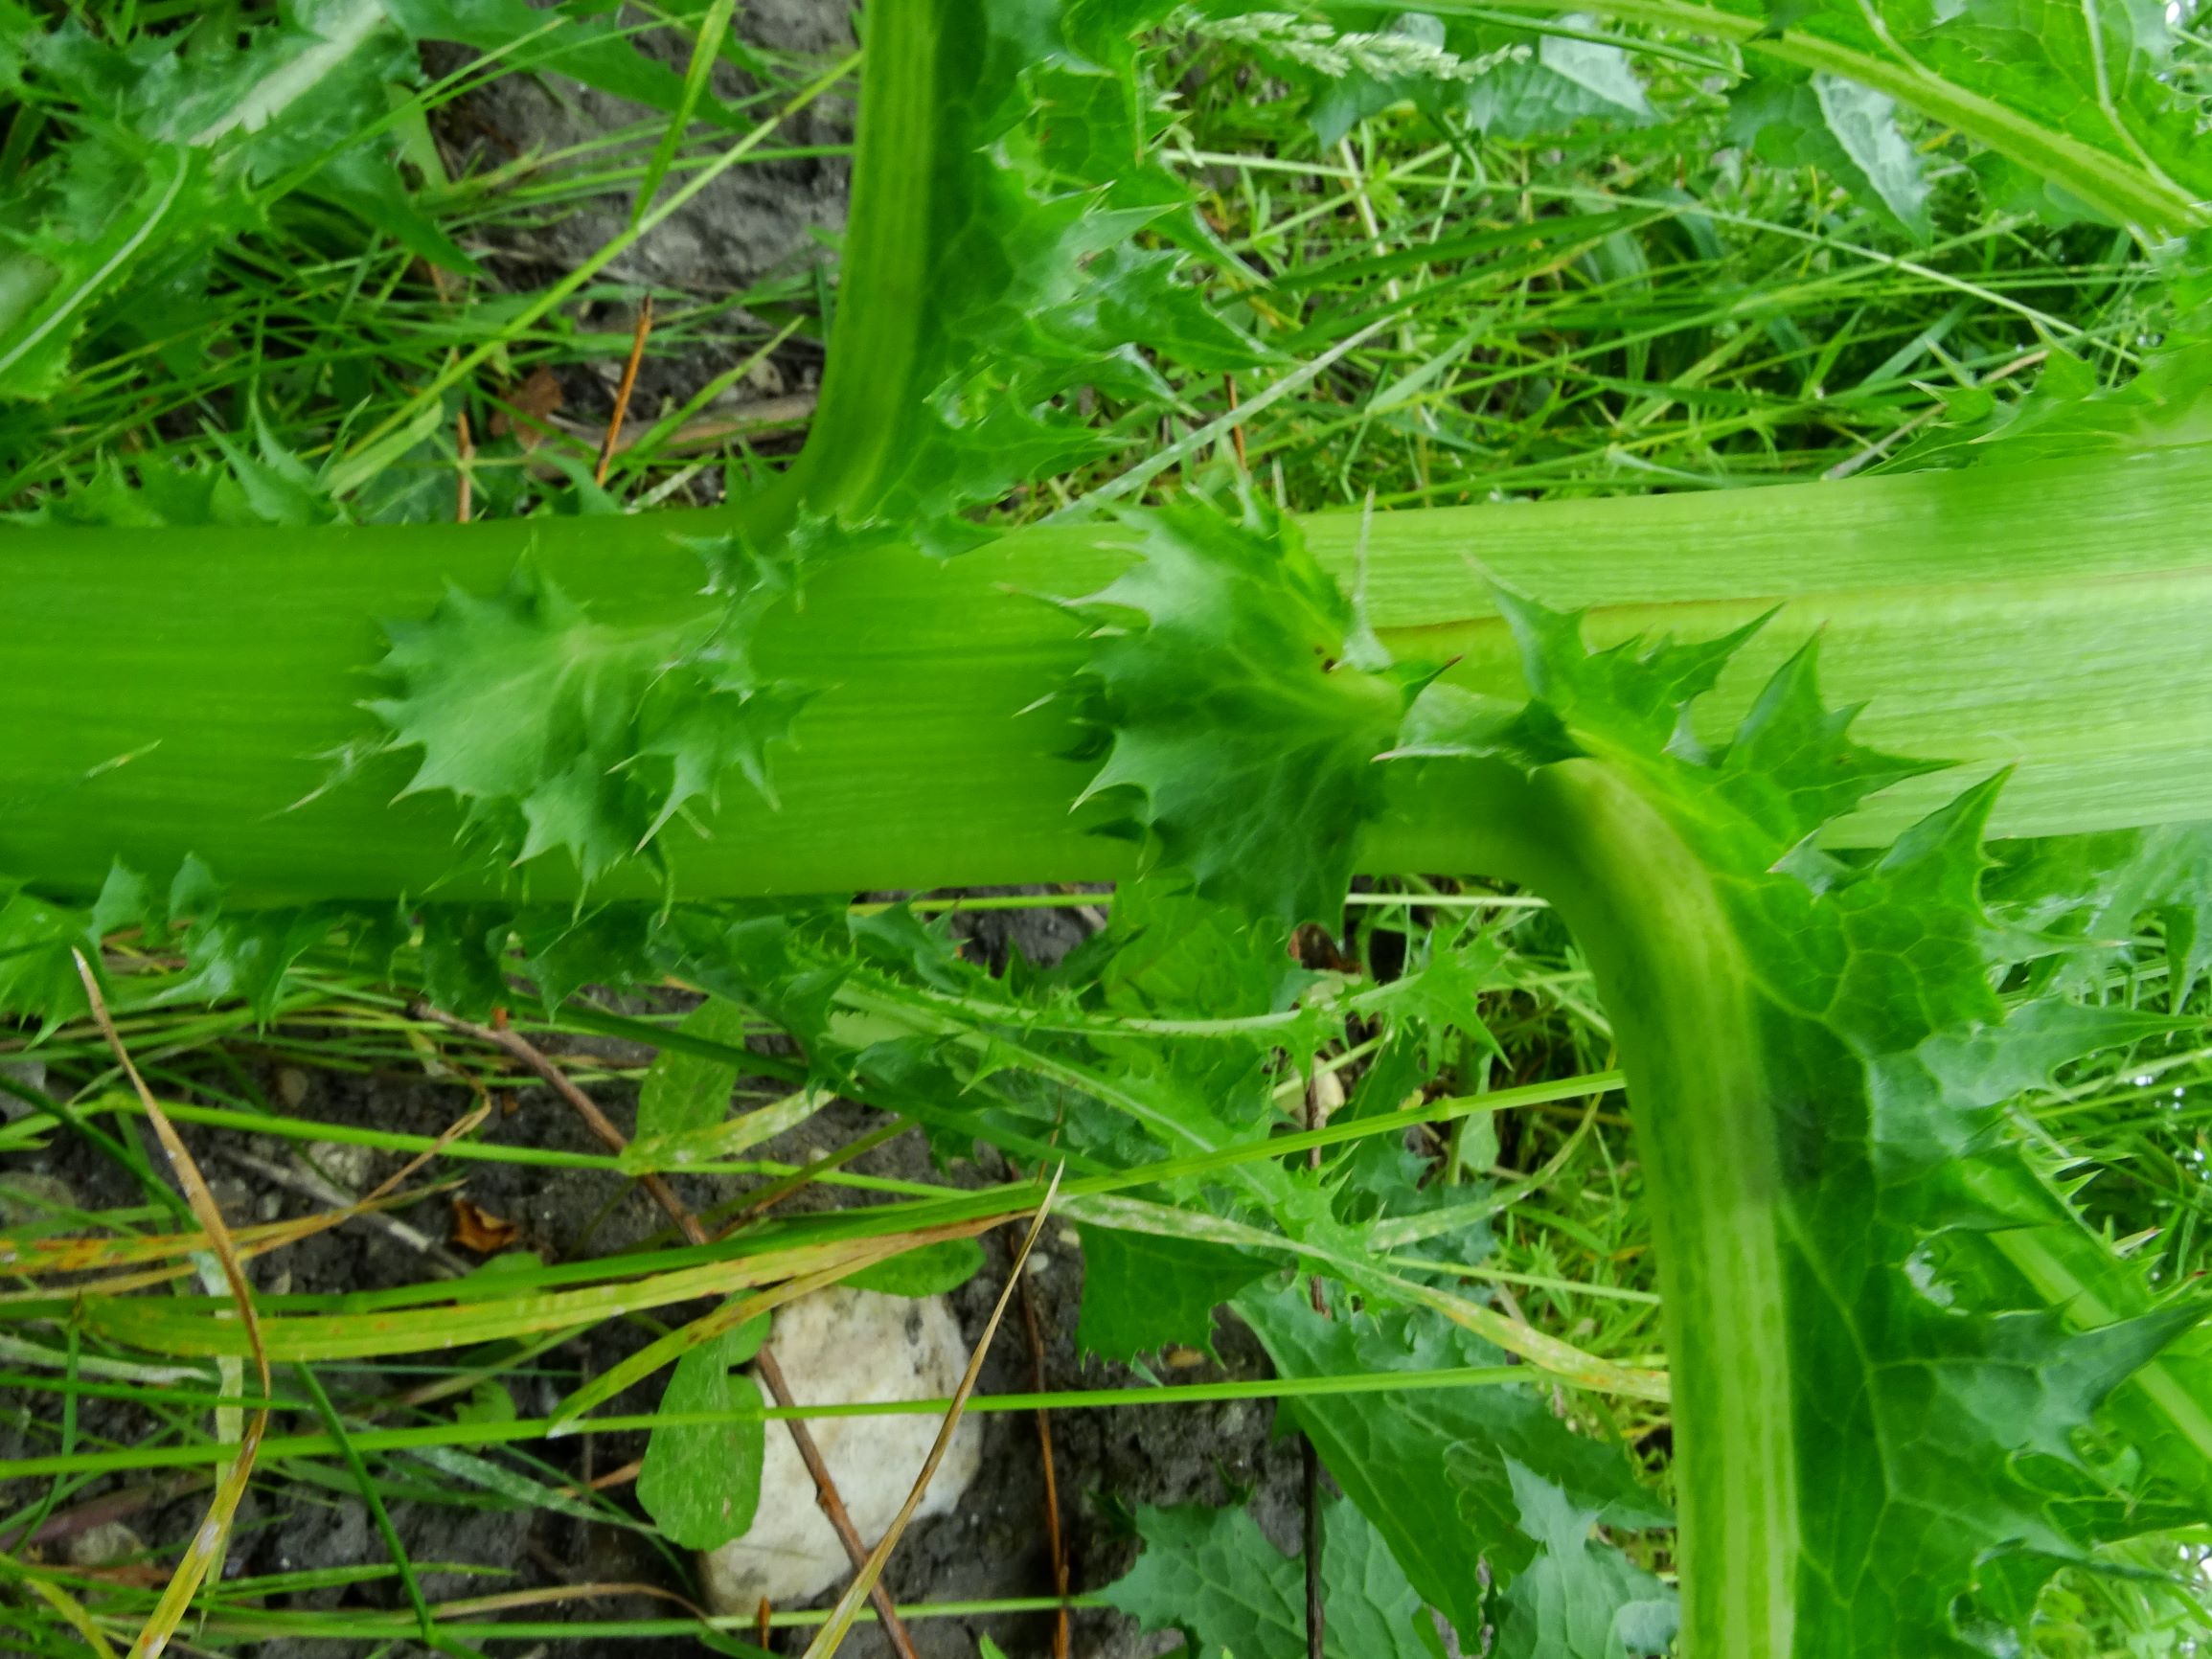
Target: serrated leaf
column 701, row 1482
column 1213, row 1574
column 180, row 140
column 2168, row 402
column 1242, row 732
column 2077, row 101
column 1883, row 1055
column 1142, row 1293
column 1564, row 83
column 1794, row 765
column 1433, row 1470
column 37, row 973
column 1054, row 249
column 1577, row 1599
column 558, row 732
column 1847, row 130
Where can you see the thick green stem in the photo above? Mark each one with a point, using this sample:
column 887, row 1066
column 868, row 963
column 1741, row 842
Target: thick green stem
column 1669, row 969
column 2048, row 616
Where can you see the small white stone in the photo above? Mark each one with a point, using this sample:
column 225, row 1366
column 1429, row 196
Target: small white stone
column 104, row 1545
column 847, row 1346
column 1040, row 1262
column 293, row 1087
column 348, row 1163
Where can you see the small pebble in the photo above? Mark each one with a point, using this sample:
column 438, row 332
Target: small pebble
column 1040, row 1262
column 104, row 1545
column 344, row 1162
column 292, row 1087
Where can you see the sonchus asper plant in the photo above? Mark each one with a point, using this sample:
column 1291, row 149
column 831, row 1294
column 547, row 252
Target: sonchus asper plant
column 1753, row 745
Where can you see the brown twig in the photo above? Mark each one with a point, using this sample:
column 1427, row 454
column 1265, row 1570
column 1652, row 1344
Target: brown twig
column 832, row 1506
column 1237, row 432
column 764, row 1362
column 464, row 460
column 613, row 438
column 831, row 1633
column 1052, row 1538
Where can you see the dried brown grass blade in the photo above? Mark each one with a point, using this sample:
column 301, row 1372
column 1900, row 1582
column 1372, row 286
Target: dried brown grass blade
column 42, row 1255
column 848, row 1607
column 207, row 1543
column 765, row 1364
column 614, row 440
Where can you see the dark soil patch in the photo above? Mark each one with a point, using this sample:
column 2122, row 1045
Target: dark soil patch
column 992, row 1547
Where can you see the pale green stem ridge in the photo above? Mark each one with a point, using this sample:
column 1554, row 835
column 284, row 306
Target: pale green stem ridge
column 1644, row 909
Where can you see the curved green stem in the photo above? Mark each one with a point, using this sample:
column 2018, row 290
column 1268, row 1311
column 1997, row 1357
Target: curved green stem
column 1676, row 987
column 2123, row 183
column 882, row 299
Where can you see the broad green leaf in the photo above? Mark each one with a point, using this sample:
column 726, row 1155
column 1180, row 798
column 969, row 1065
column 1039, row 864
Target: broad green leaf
column 1847, row 130
column 1561, row 83
column 686, row 1091
column 1577, row 1599
column 1510, row 83
column 1213, row 1574
column 1141, row 1294
column 2077, row 103
column 931, row 1270
column 701, row 1482
column 1450, row 1478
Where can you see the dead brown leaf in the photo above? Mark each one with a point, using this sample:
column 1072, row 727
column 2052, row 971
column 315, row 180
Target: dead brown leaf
column 480, row 1230
column 526, row 408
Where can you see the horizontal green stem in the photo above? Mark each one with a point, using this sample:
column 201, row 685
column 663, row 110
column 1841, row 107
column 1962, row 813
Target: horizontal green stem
column 2047, row 616
column 483, row 1434
column 355, row 1622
